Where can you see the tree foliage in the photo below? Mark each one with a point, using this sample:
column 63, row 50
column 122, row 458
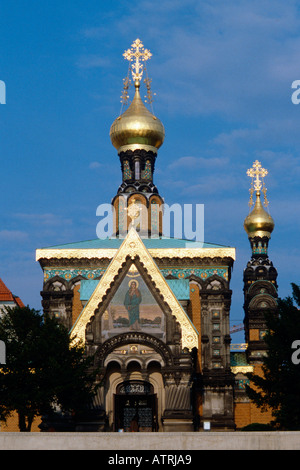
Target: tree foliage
column 43, row 369
column 279, row 386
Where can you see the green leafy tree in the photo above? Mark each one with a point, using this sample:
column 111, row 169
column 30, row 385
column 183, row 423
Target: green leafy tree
column 279, row 386
column 43, row 369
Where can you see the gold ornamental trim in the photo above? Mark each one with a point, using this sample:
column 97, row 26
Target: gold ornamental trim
column 137, row 54
column 241, row 369
column 89, row 253
column 193, row 253
column 133, row 247
column 134, row 147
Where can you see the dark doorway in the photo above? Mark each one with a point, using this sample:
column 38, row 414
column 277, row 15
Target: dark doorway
column 135, row 400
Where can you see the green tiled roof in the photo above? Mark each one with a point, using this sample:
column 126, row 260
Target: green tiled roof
column 150, row 243
column 87, row 287
column 180, row 287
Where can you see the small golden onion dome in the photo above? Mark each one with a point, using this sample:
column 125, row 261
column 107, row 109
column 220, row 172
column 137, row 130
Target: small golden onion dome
column 259, row 223
column 137, row 128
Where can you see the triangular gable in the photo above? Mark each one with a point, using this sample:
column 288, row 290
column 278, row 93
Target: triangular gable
column 133, row 247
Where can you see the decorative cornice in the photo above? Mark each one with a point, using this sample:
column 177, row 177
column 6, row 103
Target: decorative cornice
column 68, row 272
column 242, row 369
column 160, row 253
column 74, row 253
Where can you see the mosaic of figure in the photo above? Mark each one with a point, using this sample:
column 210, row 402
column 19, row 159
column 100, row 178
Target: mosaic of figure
column 132, row 302
column 134, row 308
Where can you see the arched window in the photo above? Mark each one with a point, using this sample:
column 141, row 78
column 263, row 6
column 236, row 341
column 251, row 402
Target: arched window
column 127, row 175
column 146, row 173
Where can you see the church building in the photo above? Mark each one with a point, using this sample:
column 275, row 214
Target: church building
column 154, row 310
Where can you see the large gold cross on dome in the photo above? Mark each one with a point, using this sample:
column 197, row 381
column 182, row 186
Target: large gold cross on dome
column 137, row 54
column 256, row 172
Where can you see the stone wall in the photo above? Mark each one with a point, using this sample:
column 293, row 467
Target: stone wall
column 153, row 441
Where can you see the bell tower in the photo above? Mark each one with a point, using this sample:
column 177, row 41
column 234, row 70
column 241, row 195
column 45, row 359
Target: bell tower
column 137, row 135
column 260, row 286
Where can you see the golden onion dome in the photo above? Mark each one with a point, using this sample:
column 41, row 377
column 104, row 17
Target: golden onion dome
column 137, row 127
column 259, row 223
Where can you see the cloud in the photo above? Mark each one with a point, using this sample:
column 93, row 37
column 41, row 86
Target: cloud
column 13, row 235
column 91, row 61
column 96, row 32
column 224, row 58
column 235, row 60
column 198, row 162
column 47, row 219
column 270, row 132
column 94, row 165
column 212, row 184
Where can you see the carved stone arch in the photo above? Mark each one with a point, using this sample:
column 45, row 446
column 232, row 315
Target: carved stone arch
column 130, row 189
column 50, row 284
column 155, row 216
column 134, row 363
column 272, row 273
column 261, row 272
column 262, row 287
column 249, row 273
column 113, row 364
column 263, row 301
column 119, row 203
column 197, row 280
column 144, row 188
column 75, row 280
column 141, row 223
column 138, row 197
column 152, row 364
column 215, row 282
column 137, row 338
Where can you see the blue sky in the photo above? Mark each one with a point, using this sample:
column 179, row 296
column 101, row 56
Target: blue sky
column 222, row 73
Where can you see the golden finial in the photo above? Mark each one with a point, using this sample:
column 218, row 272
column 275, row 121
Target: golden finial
column 125, row 95
column 149, row 96
column 258, row 223
column 137, row 54
column 257, row 184
column 137, row 127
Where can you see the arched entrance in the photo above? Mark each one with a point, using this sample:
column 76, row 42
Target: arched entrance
column 135, row 400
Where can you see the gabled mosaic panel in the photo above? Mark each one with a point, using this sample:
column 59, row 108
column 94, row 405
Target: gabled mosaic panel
column 134, row 308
